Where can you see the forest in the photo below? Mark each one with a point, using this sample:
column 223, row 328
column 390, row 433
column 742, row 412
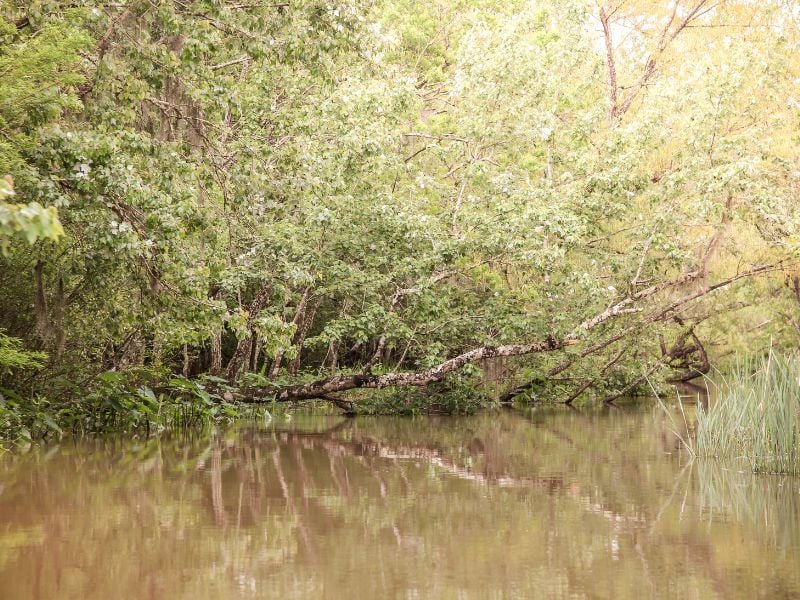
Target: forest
column 209, row 207
column 430, row 299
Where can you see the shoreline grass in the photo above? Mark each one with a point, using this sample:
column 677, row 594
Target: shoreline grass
column 755, row 415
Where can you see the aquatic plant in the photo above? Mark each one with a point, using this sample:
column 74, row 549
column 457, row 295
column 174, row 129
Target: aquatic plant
column 755, row 415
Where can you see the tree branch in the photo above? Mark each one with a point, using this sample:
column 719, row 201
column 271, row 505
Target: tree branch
column 342, row 383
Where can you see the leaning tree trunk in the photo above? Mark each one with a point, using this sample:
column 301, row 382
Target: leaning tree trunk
column 324, row 388
column 628, row 305
column 341, row 383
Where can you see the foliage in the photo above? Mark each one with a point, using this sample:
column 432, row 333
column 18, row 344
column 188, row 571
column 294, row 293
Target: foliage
column 39, row 71
column 32, row 220
column 117, row 401
column 454, row 396
column 298, row 190
column 14, row 356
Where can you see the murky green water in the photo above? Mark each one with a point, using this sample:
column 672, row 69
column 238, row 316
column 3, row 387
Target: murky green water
column 555, row 503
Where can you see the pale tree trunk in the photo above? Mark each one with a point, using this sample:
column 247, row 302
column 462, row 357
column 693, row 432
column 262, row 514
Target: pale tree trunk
column 324, row 388
column 376, row 356
column 155, row 351
column 300, row 336
column 401, row 293
column 244, row 346
column 334, row 384
column 620, row 103
column 49, row 319
column 185, row 370
column 333, row 351
column 298, row 317
column 611, row 68
column 256, row 352
column 216, row 352
column 659, row 314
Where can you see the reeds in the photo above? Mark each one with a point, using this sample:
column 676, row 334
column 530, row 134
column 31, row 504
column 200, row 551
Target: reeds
column 754, row 415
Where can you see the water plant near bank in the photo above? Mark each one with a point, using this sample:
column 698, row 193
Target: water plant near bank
column 754, row 415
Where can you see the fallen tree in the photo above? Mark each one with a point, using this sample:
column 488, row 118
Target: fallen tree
column 657, row 315
column 323, row 388
column 326, row 387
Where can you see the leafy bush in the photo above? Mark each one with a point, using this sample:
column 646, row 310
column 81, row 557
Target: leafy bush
column 14, row 356
column 119, row 401
column 456, row 395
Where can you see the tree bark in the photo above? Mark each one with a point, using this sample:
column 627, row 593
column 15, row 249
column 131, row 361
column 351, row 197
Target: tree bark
column 621, row 105
column 323, row 388
column 611, row 68
column 625, row 306
column 59, row 304
column 186, row 362
column 376, row 356
column 300, row 336
column 254, row 351
column 40, row 307
column 216, row 352
column 243, row 347
column 341, row 383
column 299, row 316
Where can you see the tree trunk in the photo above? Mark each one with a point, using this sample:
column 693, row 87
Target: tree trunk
column 59, row 302
column 40, row 305
column 256, row 352
column 243, row 347
column 298, row 317
column 216, row 353
column 300, row 336
column 658, row 314
column 331, row 385
column 185, row 370
column 323, row 388
column 333, row 351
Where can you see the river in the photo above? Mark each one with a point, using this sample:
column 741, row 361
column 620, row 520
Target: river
column 546, row 503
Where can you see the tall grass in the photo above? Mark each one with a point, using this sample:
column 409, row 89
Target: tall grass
column 755, row 416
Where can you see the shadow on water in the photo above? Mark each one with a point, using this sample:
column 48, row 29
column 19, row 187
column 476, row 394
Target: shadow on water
column 552, row 502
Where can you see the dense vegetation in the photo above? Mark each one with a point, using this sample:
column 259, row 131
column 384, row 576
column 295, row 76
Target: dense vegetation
column 213, row 200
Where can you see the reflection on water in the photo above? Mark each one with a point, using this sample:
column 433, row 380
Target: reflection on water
column 554, row 503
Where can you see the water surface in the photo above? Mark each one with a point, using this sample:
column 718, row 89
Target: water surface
column 549, row 503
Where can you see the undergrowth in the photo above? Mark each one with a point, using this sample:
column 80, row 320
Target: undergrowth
column 136, row 401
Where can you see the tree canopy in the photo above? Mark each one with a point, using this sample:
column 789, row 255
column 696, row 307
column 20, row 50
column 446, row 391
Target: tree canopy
column 305, row 198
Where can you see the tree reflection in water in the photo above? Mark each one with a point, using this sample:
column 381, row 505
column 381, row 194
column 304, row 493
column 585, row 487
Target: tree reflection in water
column 550, row 503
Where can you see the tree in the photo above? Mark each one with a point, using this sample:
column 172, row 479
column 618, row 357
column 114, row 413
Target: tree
column 317, row 197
